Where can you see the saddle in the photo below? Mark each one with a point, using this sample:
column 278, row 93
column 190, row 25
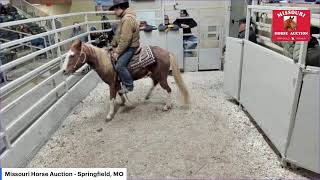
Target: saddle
column 142, row 58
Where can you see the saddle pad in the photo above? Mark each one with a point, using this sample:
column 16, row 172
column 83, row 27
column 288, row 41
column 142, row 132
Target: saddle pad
column 142, row 59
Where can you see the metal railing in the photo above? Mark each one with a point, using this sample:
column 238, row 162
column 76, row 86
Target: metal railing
column 27, row 34
column 16, row 116
column 28, row 44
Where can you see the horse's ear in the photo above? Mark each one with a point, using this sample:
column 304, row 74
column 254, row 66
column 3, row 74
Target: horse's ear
column 78, row 44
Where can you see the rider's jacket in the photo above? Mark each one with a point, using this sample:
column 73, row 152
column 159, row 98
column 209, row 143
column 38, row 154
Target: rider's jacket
column 127, row 34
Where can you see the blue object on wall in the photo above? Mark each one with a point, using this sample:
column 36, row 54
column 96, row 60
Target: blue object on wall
column 104, row 2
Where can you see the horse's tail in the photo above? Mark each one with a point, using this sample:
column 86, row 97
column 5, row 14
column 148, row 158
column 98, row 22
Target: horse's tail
column 178, row 78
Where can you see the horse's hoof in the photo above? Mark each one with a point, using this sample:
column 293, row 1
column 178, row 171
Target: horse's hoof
column 167, row 107
column 109, row 118
column 147, row 98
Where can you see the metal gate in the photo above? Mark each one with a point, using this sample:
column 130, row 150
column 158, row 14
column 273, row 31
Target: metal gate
column 36, row 101
column 281, row 95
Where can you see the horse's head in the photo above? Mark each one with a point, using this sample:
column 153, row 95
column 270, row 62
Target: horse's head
column 289, row 24
column 75, row 58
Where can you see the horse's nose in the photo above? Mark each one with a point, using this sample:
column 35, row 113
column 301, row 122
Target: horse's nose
column 64, row 72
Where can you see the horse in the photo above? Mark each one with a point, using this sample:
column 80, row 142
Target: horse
column 100, row 60
column 289, row 24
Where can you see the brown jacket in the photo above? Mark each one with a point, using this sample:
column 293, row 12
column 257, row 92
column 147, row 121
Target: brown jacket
column 127, row 34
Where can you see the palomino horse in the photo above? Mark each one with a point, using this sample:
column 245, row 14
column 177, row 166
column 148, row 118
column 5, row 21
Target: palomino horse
column 100, row 60
column 289, row 24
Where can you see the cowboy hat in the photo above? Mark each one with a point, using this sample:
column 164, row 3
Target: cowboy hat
column 117, row 3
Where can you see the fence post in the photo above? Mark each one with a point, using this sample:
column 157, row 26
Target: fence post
column 248, row 18
column 199, row 37
column 56, row 37
column 87, row 24
column 56, row 40
column 45, row 45
column 20, row 4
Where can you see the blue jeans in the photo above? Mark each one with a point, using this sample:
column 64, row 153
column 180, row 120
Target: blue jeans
column 191, row 42
column 1, row 19
column 121, row 68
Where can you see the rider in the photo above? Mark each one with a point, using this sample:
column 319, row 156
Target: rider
column 125, row 42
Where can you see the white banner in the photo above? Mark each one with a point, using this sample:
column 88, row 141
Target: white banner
column 63, row 174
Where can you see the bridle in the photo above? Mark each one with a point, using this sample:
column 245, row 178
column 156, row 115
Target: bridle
column 83, row 61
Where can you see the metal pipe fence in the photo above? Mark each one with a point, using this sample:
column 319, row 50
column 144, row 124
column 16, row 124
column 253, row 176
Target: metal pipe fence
column 15, row 115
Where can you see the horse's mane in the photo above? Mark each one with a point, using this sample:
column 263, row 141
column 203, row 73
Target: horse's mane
column 103, row 58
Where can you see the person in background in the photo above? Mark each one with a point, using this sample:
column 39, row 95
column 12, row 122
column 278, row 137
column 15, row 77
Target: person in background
column 23, row 28
column 38, row 42
column 3, row 10
column 242, row 31
column 167, row 26
column 111, row 32
column 105, row 25
column 187, row 23
column 313, row 52
column 93, row 35
column 11, row 10
column 77, row 31
column 3, row 13
column 292, row 49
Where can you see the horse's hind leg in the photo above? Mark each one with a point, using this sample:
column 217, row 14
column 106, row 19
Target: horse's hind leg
column 164, row 85
column 155, row 82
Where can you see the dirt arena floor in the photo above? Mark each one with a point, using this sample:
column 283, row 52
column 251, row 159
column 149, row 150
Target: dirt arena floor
column 212, row 139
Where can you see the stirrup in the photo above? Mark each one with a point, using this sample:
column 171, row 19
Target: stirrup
column 123, row 90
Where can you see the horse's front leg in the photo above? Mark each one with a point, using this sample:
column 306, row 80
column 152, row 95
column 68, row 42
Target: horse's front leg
column 113, row 95
column 122, row 98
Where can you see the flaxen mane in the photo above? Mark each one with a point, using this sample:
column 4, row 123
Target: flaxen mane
column 103, row 58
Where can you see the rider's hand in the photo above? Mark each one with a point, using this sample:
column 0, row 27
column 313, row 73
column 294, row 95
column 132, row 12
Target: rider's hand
column 115, row 56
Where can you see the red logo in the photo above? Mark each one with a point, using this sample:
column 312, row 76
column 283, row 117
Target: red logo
column 291, row 25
